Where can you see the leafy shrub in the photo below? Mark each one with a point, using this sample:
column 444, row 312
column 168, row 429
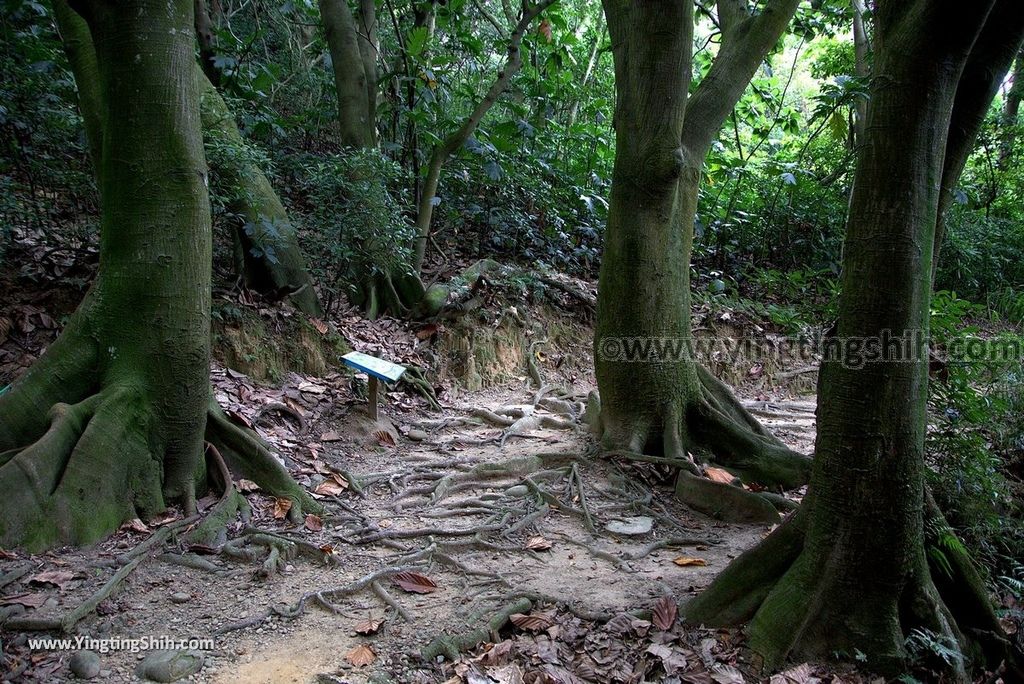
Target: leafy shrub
column 975, row 436
column 352, row 218
column 980, row 255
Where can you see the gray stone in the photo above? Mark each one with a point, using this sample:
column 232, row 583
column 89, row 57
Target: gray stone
column 85, row 665
column 170, row 666
column 640, row 524
column 517, row 491
column 417, row 435
column 180, row 597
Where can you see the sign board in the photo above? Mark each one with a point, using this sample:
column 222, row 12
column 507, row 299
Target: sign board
column 374, row 367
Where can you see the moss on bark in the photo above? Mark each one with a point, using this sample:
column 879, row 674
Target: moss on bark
column 665, row 403
column 109, row 424
column 850, row 574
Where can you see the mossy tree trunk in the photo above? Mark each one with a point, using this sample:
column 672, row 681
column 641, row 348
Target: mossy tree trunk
column 353, row 47
column 270, row 259
column 109, row 424
column 1011, row 109
column 672, row 405
column 989, row 62
column 849, row 572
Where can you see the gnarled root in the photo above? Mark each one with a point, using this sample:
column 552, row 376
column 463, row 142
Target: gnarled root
column 91, row 465
column 249, row 456
column 479, row 630
column 800, row 604
column 715, row 423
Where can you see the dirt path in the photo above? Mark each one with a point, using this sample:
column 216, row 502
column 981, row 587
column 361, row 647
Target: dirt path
column 450, row 498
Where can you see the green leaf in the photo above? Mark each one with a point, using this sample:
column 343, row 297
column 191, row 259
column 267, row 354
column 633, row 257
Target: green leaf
column 416, row 41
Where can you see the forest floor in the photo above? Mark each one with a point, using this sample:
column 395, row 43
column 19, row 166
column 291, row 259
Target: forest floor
column 494, row 505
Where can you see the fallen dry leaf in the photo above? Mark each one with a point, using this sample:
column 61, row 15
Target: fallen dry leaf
column 415, row 583
column 384, row 437
column 311, row 388
column 314, row 523
column 281, row 507
column 27, row 600
column 247, row 486
column 726, row 674
column 334, row 485
column 170, row 515
column 664, row 614
column 497, row 654
column 538, row 544
column 799, row 674
column 320, row 326
column 534, row 622
column 426, row 332
column 361, row 655
column 239, row 418
column 719, row 475
column 57, row 578
column 684, row 561
column 369, row 626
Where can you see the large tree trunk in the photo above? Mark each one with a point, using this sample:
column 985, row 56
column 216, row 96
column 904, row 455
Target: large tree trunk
column 861, row 68
column 270, row 259
column 984, row 73
column 109, row 424
column 665, row 402
column 848, row 573
column 353, row 62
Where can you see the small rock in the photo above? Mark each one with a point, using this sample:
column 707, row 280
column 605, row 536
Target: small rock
column 640, row 524
column 180, row 597
column 517, row 491
column 85, row 665
column 169, row 666
column 417, row 435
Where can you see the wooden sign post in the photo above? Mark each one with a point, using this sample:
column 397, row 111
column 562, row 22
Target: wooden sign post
column 376, row 369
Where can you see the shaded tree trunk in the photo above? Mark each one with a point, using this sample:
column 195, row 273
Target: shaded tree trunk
column 986, row 68
column 276, row 267
column 109, row 424
column 1011, row 108
column 848, row 573
column 353, row 62
column 204, row 36
column 666, row 403
column 860, row 52
column 271, row 259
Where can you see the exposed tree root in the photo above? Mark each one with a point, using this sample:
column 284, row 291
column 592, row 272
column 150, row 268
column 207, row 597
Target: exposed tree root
column 249, row 456
column 451, row 645
column 325, row 597
column 90, row 466
column 278, row 407
column 128, row 563
column 781, row 591
column 414, row 379
column 385, row 596
column 716, row 425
